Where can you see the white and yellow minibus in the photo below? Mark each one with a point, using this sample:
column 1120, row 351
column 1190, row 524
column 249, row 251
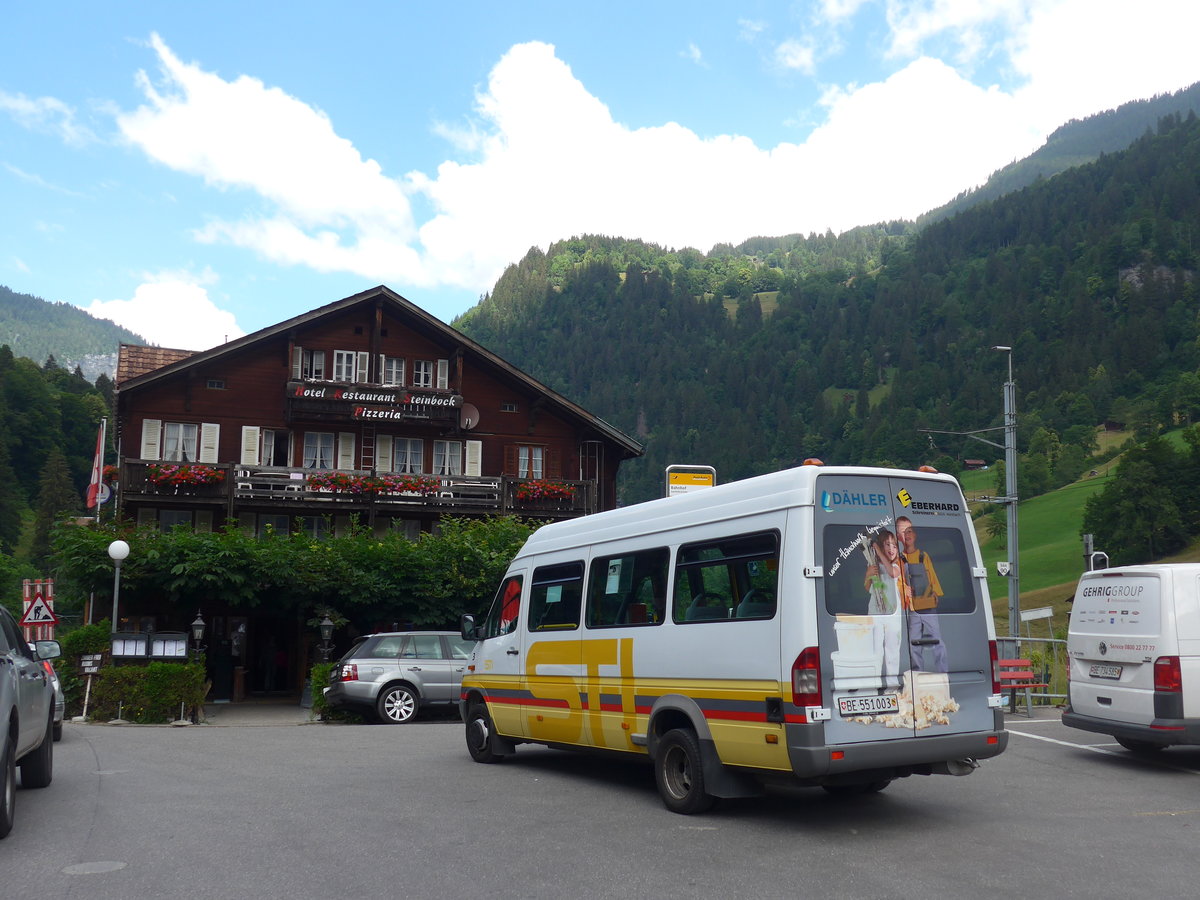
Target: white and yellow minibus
column 826, row 625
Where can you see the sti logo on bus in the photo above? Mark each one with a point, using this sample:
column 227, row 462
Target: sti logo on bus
column 832, row 500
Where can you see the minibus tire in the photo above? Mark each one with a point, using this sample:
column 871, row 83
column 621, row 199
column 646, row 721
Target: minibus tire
column 1135, row 746
column 679, row 771
column 481, row 735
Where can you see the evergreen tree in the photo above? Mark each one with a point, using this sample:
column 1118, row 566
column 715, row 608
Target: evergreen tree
column 56, row 497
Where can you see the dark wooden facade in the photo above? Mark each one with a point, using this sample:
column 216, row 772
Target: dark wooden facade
column 367, row 409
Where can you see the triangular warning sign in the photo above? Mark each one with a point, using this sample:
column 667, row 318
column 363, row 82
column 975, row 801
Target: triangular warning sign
column 39, row 613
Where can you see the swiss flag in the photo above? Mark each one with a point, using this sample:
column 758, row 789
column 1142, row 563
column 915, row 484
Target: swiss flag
column 93, row 490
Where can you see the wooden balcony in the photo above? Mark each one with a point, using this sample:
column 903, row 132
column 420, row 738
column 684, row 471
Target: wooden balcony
column 278, row 490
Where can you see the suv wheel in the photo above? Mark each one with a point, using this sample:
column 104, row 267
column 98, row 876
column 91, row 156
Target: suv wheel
column 37, row 769
column 396, row 705
column 8, row 788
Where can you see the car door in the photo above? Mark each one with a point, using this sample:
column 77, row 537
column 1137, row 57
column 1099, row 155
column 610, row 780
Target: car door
column 458, row 651
column 423, row 662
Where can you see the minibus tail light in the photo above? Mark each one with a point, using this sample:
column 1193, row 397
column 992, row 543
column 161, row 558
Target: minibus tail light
column 1166, row 675
column 806, row 678
column 995, row 667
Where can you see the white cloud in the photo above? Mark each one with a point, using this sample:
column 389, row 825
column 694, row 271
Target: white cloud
column 795, row 54
column 46, row 114
column 889, row 149
column 172, row 309
column 693, row 54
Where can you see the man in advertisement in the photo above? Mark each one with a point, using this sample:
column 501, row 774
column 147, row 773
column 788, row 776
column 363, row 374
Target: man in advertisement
column 924, row 627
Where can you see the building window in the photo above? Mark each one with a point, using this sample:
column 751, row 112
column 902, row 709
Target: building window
column 508, row 406
column 276, row 447
column 530, row 461
column 343, row 365
column 409, row 456
column 273, row 524
column 170, row 518
column 216, row 384
column 422, row 373
column 180, row 442
column 392, row 370
column 316, row 527
column 447, row 457
column 318, row 450
column 312, row 365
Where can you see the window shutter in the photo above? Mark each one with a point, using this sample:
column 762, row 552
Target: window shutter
column 383, row 453
column 510, row 460
column 345, row 458
column 382, row 379
column 474, row 464
column 249, row 455
column 553, row 463
column 151, row 438
column 203, row 521
column 362, row 369
column 297, row 363
column 210, row 436
column 443, row 373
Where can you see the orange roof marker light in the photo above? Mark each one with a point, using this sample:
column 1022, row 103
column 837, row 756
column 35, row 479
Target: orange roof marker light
column 928, row 469
column 812, row 461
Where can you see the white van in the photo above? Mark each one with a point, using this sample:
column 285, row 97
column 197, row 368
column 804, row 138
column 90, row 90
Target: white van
column 1134, row 651
column 766, row 629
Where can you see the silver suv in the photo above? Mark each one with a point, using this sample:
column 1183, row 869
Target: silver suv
column 26, row 715
column 391, row 675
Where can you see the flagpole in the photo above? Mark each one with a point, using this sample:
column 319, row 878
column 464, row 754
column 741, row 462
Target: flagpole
column 98, row 467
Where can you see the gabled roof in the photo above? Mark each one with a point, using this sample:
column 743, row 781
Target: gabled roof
column 175, row 361
column 134, row 360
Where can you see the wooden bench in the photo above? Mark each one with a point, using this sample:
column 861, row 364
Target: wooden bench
column 1017, row 675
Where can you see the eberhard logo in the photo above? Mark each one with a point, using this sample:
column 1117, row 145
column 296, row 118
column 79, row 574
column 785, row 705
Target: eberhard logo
column 907, row 501
column 904, row 497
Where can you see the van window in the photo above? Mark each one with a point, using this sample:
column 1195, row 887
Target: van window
column 937, row 568
column 630, row 589
column 730, row 578
column 502, row 617
column 555, row 597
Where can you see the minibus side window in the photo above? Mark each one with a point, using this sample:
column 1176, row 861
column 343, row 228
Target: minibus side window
column 502, row 617
column 730, row 578
column 555, row 596
column 628, row 589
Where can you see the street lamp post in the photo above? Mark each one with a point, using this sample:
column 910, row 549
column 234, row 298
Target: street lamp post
column 197, row 635
column 117, row 551
column 1010, row 499
column 326, row 637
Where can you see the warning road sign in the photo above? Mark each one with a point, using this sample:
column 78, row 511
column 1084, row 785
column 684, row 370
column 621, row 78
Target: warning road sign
column 39, row 613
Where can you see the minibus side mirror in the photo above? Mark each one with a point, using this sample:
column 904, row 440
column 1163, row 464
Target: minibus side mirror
column 466, row 625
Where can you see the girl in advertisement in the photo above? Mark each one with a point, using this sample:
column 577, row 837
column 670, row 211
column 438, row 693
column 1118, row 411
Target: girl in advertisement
column 889, row 594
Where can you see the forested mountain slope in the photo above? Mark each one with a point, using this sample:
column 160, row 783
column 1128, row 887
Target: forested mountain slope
column 848, row 347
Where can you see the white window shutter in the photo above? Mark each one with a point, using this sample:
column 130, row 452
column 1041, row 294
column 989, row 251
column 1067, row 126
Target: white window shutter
column 345, row 458
column 297, row 363
column 363, row 367
column 474, row 458
column 443, row 375
column 382, row 371
column 210, row 436
column 203, row 521
column 151, row 438
column 383, row 453
column 250, row 455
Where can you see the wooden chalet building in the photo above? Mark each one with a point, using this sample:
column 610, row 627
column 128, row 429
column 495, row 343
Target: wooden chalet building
column 369, row 408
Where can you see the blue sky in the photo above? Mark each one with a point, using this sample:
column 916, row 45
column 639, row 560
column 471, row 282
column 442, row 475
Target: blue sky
column 195, row 172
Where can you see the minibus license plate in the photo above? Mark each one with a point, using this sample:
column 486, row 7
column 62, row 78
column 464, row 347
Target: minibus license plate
column 869, row 706
column 1113, row 672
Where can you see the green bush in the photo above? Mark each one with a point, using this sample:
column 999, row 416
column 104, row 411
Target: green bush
column 320, row 709
column 85, row 639
column 149, row 694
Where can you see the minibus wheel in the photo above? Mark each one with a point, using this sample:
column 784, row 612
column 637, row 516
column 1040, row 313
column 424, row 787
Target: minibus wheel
column 481, row 737
column 679, row 771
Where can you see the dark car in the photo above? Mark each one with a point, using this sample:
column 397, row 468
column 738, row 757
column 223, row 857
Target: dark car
column 26, row 715
column 393, row 674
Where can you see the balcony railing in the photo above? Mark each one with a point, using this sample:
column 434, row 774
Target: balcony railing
column 356, row 490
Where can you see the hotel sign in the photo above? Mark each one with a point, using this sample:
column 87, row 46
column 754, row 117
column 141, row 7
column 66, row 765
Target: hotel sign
column 369, row 402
